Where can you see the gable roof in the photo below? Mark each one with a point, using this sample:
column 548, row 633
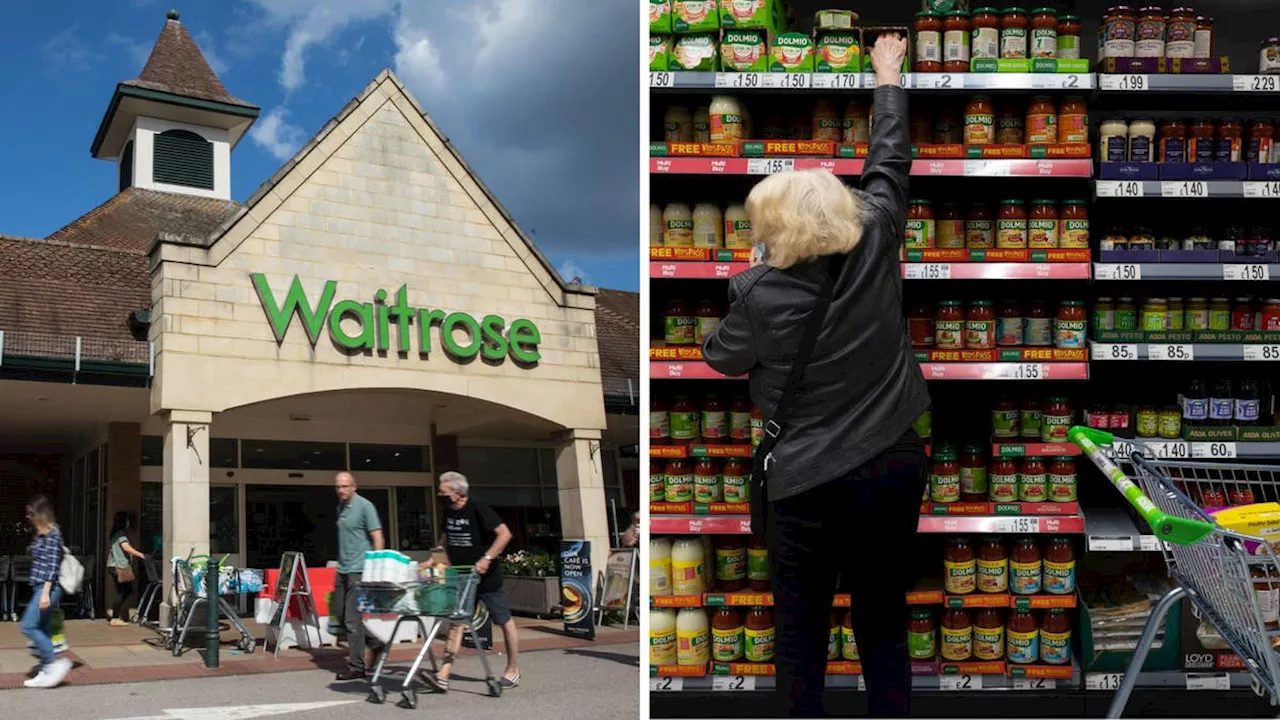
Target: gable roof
column 177, row 66
column 618, row 339
column 134, row 218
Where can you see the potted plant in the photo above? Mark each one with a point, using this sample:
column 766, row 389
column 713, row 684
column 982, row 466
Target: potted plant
column 530, row 582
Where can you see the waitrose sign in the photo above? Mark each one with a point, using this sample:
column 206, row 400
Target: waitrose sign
column 382, row 326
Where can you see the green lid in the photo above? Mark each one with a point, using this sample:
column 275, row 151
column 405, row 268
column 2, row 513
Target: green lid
column 1044, row 11
column 1044, row 202
column 929, row 13
column 950, row 302
column 972, row 449
column 980, row 302
column 1012, row 10
column 920, row 202
column 1073, row 303
column 958, row 13
column 1065, row 458
column 1075, row 202
column 1013, row 201
column 1069, row 17
column 985, row 10
column 920, row 613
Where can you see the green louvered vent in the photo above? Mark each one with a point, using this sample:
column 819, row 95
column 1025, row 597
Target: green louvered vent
column 126, row 167
column 184, row 158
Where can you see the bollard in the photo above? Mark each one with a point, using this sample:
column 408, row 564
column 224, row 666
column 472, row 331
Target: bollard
column 212, row 637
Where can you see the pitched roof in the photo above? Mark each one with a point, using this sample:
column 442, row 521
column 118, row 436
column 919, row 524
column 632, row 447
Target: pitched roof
column 134, row 218
column 177, row 66
column 618, row 338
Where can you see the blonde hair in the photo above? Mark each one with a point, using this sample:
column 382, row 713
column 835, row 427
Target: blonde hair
column 804, row 214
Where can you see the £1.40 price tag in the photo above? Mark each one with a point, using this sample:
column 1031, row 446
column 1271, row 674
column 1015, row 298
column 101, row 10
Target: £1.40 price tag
column 733, row 683
column 1262, row 189
column 1184, row 189
column 769, row 166
column 1162, row 351
column 1266, row 353
column 1026, row 683
column 1175, row 449
column 960, row 682
column 1103, row 681
column 666, row 684
column 1119, row 188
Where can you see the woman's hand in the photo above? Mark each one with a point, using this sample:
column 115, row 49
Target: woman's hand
column 44, row 599
column 886, row 58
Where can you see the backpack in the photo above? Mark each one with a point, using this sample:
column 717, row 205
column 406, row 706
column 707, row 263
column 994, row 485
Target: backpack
column 70, row 573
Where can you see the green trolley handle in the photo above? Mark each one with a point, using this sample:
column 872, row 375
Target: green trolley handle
column 1170, row 528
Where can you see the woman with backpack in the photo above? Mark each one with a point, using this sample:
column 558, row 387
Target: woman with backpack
column 120, row 557
column 46, row 561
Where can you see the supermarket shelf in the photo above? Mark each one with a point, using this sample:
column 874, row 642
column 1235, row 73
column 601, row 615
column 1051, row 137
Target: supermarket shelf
column 1194, row 681
column 1131, row 83
column 1184, row 271
column 1040, row 449
column 840, row 166
column 700, row 524
column 911, row 271
column 1041, row 601
column 1187, row 189
column 1006, row 371
column 687, row 370
column 1113, row 530
column 699, row 451
column 1181, row 352
column 661, row 524
column 864, row 81
column 695, row 270
column 1202, row 450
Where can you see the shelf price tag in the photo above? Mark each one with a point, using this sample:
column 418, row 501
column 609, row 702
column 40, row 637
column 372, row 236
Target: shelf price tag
column 862, row 684
column 1104, row 271
column 1020, row 524
column 1025, row 683
column 769, row 166
column 666, row 684
column 1149, row 543
column 960, row 682
column 733, row 683
column 1060, row 81
column 1103, row 681
column 1176, row 450
column 662, row 80
column 1110, row 544
column 1246, row 272
column 741, row 80
column 1213, row 450
column 1028, row 371
column 1122, row 450
column 1255, row 83
column 795, row 81
column 1113, row 351
column 1160, row 351
column 906, row 80
column 939, row 81
column 1184, row 189
column 836, row 81
column 927, row 271
column 1269, row 353
column 1259, row 189
column 1208, row 681
column 1120, row 188
column 1131, row 83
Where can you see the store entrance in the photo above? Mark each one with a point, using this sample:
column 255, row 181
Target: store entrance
column 298, row 518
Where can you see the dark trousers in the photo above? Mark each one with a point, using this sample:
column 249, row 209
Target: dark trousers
column 862, row 526
column 124, row 596
column 344, row 602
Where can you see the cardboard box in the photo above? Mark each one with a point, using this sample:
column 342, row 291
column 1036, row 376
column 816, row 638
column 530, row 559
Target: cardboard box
column 765, row 15
column 695, row 53
column 659, row 52
column 838, row 51
column 1202, row 648
column 869, row 35
column 824, row 20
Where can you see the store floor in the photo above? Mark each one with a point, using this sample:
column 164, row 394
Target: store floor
column 105, row 654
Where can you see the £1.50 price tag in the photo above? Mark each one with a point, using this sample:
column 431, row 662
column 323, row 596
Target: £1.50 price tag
column 1103, row 681
column 1107, row 271
column 1246, row 272
column 666, row 684
column 744, row 80
column 661, row 80
column 960, row 682
column 733, row 683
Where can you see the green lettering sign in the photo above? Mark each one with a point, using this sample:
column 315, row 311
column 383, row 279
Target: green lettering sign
column 360, row 326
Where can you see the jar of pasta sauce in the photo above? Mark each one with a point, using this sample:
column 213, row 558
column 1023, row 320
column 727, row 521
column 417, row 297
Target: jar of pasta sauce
column 1116, row 35
column 1042, row 225
column 955, row 41
column 1150, row 33
column 979, row 327
column 929, row 26
column 985, row 44
column 1004, row 419
column 1056, row 420
column 948, row 326
column 1073, row 225
column 1015, row 25
column 1069, row 32
column 1180, row 33
column 1070, row 326
column 1039, row 325
column 1010, row 328
column 920, row 325
column 1030, row 419
column 951, row 227
column 1011, row 225
column 1044, row 33
column 979, row 229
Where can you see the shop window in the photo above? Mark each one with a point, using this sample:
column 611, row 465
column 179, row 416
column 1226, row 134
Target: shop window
column 298, row 518
column 413, row 519
column 126, row 168
column 293, row 455
column 224, row 452
column 389, row 458
column 152, row 450
column 183, row 158
column 486, row 466
column 224, row 520
column 509, row 496
column 151, row 518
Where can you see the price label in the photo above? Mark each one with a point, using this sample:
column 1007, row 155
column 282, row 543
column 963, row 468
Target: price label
column 1246, row 272
column 1208, row 681
column 1269, row 353
column 960, row 682
column 1120, row 188
column 1022, row 524
column 743, row 81
column 1103, row 271
column 1149, row 543
column 1103, row 681
column 862, row 683
column 1122, row 449
column 1184, row 189
column 1112, row 351
column 872, row 82
column 1213, row 450
column 1110, row 544
column 792, row 81
column 1176, row 450
column 927, row 271
column 662, row 80
column 1255, row 83
column 666, row 684
column 769, row 166
column 1256, row 189
column 1025, row 683
column 1128, row 83
column 837, row 81
column 1160, row 351
column 1028, row 371
column 734, row 683
column 939, row 81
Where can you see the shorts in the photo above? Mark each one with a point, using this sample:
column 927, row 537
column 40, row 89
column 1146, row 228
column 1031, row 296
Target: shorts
column 496, row 601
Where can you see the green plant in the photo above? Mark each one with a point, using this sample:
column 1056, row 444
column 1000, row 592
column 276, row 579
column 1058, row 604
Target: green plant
column 525, row 563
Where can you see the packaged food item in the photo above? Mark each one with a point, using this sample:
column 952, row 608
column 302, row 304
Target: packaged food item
column 758, row 14
column 1042, row 121
column 973, row 474
column 1118, row 32
column 833, row 636
column 1060, row 567
column 657, row 479
column 980, row 326
column 702, row 124
column 1010, row 125
column 1142, row 140
column 1269, row 56
column 922, row 639
column 694, row 53
column 660, row 566
column 1073, row 225
column 1010, row 331
column 928, row 56
column 679, row 323
column 1011, row 227
column 708, row 226
column 679, row 481
column 1025, row 567
column 1150, row 33
column 956, row 36
column 726, row 635
column 744, row 51
column 677, row 124
column 988, row 635
column 791, row 52
column 659, row 17
column 857, row 123
column 1023, row 638
column 727, row 121
column 985, row 36
column 1039, row 324
column 694, row 16
column 731, row 563
column 1113, row 141
column 948, row 326
column 1042, row 225
column 1173, row 141
column 1180, row 33
column 693, row 637
column 1033, row 481
column 920, row 325
column 1104, row 313
column 1069, row 32
column 659, row 53
column 1055, row 637
column 1062, row 479
column 1002, row 481
column 758, row 572
column 1204, row 37
column 951, row 231
column 848, row 643
column 944, row 477
column 838, row 52
column 979, row 121
column 662, row 636
column 835, row 20
column 1056, row 419
column 759, row 635
column 686, row 421
column 688, row 566
column 993, row 566
column 736, row 476
column 1071, row 326
column 960, row 564
column 921, row 226
column 1200, row 144
column 1260, row 144
column 957, row 635
column 1073, row 120
column 707, row 487
column 1044, row 33
column 737, row 228
column 979, row 229
column 1014, row 28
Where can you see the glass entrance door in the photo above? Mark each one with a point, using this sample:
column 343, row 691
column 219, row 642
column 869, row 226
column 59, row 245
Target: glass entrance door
column 299, row 518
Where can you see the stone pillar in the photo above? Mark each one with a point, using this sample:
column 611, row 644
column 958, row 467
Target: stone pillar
column 579, row 474
column 186, row 490
column 123, row 488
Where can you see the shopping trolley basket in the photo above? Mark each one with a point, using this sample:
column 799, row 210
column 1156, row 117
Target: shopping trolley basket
column 447, row 599
column 190, row 587
column 1210, row 565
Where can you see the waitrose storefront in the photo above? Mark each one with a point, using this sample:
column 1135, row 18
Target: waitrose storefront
column 371, row 307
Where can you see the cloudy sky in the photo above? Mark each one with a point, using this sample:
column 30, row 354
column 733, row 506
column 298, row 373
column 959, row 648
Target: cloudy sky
column 540, row 96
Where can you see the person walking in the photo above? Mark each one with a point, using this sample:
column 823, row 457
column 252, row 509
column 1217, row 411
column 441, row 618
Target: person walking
column 818, row 327
column 46, row 561
column 120, row 555
column 359, row 532
column 475, row 535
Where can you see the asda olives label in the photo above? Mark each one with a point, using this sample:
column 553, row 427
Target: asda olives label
column 1011, row 234
column 731, row 564
column 988, row 643
column 679, row 488
column 948, row 334
column 1055, row 648
column 920, row 234
column 944, row 488
column 680, row 330
column 757, row 564
column 735, row 488
column 957, row 643
column 1221, row 410
column 960, row 578
column 1053, row 428
column 684, row 426
column 922, row 645
column 726, row 645
column 1059, row 578
column 1073, row 234
column 707, row 489
column 1024, row 647
column 1042, row 234
column 993, row 576
column 758, row 645
column 1026, row 577
column 657, row 487
column 848, row 644
column 715, row 424
column 1013, row 43
column 679, row 233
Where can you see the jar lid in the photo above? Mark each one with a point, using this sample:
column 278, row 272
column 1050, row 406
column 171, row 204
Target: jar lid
column 1075, row 202
column 929, row 13
column 972, row 449
column 1012, row 10
column 1044, row 202
column 1044, row 11
column 1069, row 17
column 1013, row 201
column 920, row 201
column 980, row 302
column 1271, row 41
column 958, row 13
column 1064, row 458
column 949, row 302
column 989, row 10
column 920, row 613
column 1073, row 303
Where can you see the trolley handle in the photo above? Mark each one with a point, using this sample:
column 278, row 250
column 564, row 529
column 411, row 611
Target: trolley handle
column 1170, row 528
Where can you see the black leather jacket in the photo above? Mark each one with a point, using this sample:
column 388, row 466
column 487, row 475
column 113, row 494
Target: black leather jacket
column 863, row 388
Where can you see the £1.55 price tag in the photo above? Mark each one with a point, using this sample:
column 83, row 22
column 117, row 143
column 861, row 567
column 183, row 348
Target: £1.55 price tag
column 1022, row 524
column 769, row 166
column 927, row 271
column 733, row 683
column 960, row 682
column 666, row 684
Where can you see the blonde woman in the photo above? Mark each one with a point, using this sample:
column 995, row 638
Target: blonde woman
column 840, row 472
column 46, row 560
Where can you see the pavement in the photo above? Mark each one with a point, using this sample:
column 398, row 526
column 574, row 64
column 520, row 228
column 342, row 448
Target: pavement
column 600, row 682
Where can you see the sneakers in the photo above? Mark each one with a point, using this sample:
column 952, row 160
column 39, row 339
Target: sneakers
column 50, row 676
column 117, row 622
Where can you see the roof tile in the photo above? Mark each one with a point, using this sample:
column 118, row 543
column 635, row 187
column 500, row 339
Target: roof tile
column 618, row 338
column 134, row 218
column 177, row 66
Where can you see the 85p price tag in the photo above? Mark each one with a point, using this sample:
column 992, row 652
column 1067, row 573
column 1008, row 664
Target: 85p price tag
column 1113, row 351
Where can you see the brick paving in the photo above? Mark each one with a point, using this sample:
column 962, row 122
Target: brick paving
column 105, row 654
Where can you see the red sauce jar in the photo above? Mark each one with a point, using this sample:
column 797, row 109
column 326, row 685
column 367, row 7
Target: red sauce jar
column 1270, row 319
column 979, row 121
column 707, row 317
column 1042, row 121
column 686, row 421
column 1261, row 137
column 1039, row 325
column 1014, row 28
column 985, row 43
column 679, row 479
column 659, row 422
column 1010, row 327
column 1044, row 33
column 1033, row 480
column 1228, row 144
column 951, row 227
column 1010, row 125
column 1002, row 481
column 707, row 487
column 1042, row 225
column 715, row 420
column 979, row 229
column 920, row 325
column 1011, row 225
column 1029, row 420
column 740, row 421
column 736, row 474
column 1056, row 420
column 657, row 480
column 973, row 474
column 929, row 27
column 1004, row 419
column 680, row 325
column 757, row 425
column 949, row 326
column 1242, row 314
column 980, row 326
column 955, row 42
column 1172, row 136
column 1200, row 141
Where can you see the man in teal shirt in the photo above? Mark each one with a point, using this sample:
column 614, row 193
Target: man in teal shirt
column 359, row 532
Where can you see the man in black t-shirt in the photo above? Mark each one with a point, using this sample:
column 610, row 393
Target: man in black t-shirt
column 475, row 535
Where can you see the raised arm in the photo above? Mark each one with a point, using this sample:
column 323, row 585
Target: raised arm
column 730, row 348
column 884, row 176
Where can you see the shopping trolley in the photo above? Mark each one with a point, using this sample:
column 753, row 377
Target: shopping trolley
column 1210, row 565
column 190, row 586
column 436, row 602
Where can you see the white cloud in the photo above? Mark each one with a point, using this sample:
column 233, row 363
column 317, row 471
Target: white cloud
column 572, row 272
column 216, row 62
column 312, row 22
column 275, row 135
column 137, row 51
column 65, row 50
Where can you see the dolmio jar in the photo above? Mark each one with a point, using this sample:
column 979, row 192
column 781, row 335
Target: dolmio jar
column 740, row 420
column 1033, row 481
column 993, row 566
column 657, row 480
column 679, row 480
column 1025, row 567
column 1023, row 638
column 706, row 482
column 715, row 420
column 960, row 564
column 1002, row 481
column 680, row 325
column 659, row 422
column 736, row 475
column 944, row 477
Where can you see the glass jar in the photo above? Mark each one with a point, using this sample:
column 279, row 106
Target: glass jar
column 1119, row 27
column 1150, row 33
column 1039, row 325
column 1228, row 143
column 1014, row 28
column 1261, row 138
column 1154, row 314
column 1180, row 33
column 979, row 229
column 1033, row 480
column 951, row 227
column 1011, row 225
column 1042, row 225
column 921, row 226
column 944, row 476
column 1069, row 32
column 680, row 325
column 1010, row 327
column 1004, row 419
column 1104, row 314
column 985, row 38
column 979, row 121
column 1142, row 140
column 1044, row 33
column 1269, row 56
column 1002, row 481
column 1173, row 141
column 1073, row 120
column 948, row 326
column 1062, row 479
column 1113, row 140
column 1126, row 314
column 1010, row 125
column 1200, row 145
column 973, row 474
column 1029, row 419
column 955, row 42
column 1204, row 37
column 1073, row 225
column 980, row 325
column 949, row 129
column 920, row 325
column 1056, row 420
column 1042, row 121
column 929, row 27
column 1070, row 327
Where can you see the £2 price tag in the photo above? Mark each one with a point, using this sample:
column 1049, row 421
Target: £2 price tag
column 733, row 683
column 960, row 682
column 1025, row 683
column 666, row 684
